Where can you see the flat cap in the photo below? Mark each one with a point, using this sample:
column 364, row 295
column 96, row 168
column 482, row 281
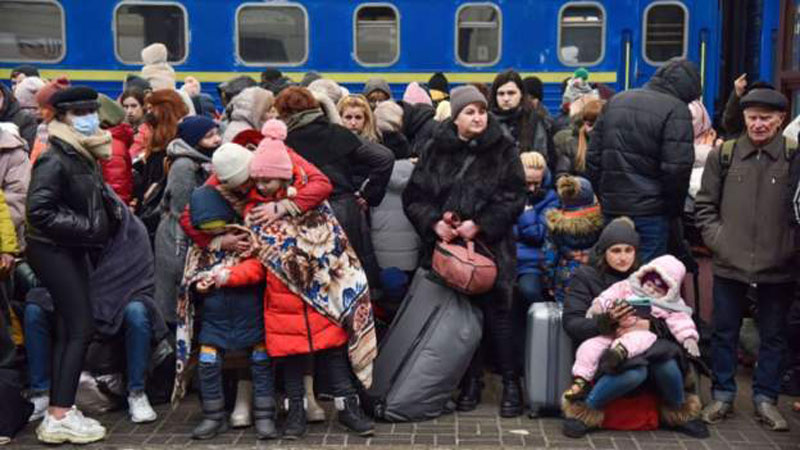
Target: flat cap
column 765, row 98
column 75, row 97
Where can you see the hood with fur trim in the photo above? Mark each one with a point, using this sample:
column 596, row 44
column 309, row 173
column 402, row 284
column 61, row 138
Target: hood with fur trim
column 671, row 271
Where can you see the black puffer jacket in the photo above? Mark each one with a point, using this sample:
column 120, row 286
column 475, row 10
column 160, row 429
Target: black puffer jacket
column 491, row 192
column 11, row 112
column 641, row 152
column 65, row 203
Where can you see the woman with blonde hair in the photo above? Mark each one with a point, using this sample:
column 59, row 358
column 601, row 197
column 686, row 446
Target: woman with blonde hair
column 572, row 143
column 357, row 117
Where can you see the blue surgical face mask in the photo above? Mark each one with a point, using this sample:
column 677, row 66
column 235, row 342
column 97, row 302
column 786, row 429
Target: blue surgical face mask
column 86, row 125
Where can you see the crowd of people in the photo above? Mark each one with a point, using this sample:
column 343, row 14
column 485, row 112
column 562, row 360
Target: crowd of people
column 267, row 243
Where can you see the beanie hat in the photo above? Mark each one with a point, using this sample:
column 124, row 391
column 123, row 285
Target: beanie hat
column 388, row 117
column 26, row 90
column 156, row 70
column 45, row 94
column 700, row 120
column 75, row 97
column 192, row 129
column 27, row 69
column 327, row 87
column 534, row 87
column 439, row 82
column 575, row 192
column 619, row 231
column 377, row 84
column 110, row 112
column 309, row 78
column 231, row 164
column 415, row 94
column 208, row 209
column 462, row 96
column 271, row 159
column 581, row 73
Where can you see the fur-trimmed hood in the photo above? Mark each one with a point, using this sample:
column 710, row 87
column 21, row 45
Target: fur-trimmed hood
column 671, row 271
column 577, row 229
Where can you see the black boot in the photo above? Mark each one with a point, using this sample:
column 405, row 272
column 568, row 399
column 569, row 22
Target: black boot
column 470, row 395
column 352, row 416
column 511, row 404
column 214, row 420
column 264, row 413
column 295, row 425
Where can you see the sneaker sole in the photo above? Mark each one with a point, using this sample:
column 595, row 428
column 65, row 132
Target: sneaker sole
column 718, row 419
column 60, row 438
column 366, row 433
column 770, row 425
column 145, row 419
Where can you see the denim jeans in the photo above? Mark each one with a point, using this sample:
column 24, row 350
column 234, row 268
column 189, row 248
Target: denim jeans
column 38, row 334
column 38, row 324
column 653, row 233
column 666, row 377
column 530, row 287
column 210, row 373
column 730, row 304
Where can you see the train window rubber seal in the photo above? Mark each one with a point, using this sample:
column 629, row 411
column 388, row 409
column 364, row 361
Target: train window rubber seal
column 355, row 34
column 685, row 48
column 278, row 4
column 186, row 34
column 499, row 11
column 63, row 34
column 603, row 28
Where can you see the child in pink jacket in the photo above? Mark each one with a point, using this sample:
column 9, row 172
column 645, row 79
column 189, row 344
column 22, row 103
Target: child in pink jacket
column 653, row 291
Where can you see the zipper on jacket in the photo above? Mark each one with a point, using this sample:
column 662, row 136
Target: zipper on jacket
column 308, row 327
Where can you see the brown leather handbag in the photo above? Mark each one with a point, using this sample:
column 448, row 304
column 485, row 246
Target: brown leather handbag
column 464, row 269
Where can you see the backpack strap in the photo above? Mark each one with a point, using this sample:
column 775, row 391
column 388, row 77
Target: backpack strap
column 790, row 149
column 726, row 157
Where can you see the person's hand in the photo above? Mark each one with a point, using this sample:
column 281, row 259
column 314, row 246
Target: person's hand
column 6, row 264
column 267, row 212
column 468, row 230
column 691, row 346
column 740, row 85
column 708, row 138
column 234, row 242
column 362, row 202
column 445, row 231
column 204, row 285
column 620, row 311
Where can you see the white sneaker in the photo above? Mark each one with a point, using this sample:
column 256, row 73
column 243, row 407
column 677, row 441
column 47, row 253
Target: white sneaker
column 314, row 412
column 242, row 413
column 40, row 404
column 73, row 428
column 139, row 408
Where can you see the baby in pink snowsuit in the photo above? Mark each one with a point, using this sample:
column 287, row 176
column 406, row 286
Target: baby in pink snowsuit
column 657, row 284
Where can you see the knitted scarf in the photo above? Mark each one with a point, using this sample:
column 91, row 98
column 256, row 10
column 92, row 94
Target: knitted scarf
column 94, row 147
column 303, row 118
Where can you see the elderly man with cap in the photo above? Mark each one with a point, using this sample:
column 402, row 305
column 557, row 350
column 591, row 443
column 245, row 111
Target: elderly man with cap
column 743, row 212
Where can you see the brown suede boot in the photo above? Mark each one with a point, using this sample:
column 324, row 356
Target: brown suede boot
column 580, row 419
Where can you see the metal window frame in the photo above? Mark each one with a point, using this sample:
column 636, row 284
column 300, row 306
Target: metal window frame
column 603, row 29
column 281, row 4
column 355, row 33
column 63, row 34
column 497, row 8
column 685, row 50
column 187, row 36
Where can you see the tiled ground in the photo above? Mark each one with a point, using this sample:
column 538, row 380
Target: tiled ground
column 478, row 429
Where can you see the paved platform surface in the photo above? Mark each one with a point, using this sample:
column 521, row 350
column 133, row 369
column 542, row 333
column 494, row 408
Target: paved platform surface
column 482, row 429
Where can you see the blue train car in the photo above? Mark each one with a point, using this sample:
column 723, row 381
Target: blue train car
column 621, row 42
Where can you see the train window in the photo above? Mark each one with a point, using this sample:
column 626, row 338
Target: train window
column 138, row 25
column 478, row 31
column 581, row 33
column 377, row 34
column 272, row 34
column 665, row 33
column 32, row 31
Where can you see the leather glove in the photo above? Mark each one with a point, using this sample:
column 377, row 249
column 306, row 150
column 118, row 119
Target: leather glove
column 691, row 346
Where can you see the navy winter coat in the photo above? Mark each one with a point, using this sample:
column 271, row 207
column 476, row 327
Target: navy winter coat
column 232, row 318
column 531, row 230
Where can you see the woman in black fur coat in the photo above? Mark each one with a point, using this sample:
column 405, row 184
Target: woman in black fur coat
column 472, row 168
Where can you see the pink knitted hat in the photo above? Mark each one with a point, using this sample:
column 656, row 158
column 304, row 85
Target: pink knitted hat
column 271, row 159
column 415, row 94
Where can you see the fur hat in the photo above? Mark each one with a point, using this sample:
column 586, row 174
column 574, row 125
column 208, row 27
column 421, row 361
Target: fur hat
column 327, row 87
column 377, row 84
column 156, row 70
column 75, row 97
column 415, row 94
column 208, row 209
column 619, row 231
column 45, row 94
column 388, row 117
column 231, row 164
column 271, row 159
column 111, row 113
column 26, row 90
column 192, row 129
column 575, row 192
column 462, row 96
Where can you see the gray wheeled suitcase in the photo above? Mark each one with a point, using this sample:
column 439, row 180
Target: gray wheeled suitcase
column 425, row 353
column 548, row 358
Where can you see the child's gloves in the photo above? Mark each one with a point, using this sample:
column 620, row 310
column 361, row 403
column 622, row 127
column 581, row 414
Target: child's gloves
column 691, row 346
